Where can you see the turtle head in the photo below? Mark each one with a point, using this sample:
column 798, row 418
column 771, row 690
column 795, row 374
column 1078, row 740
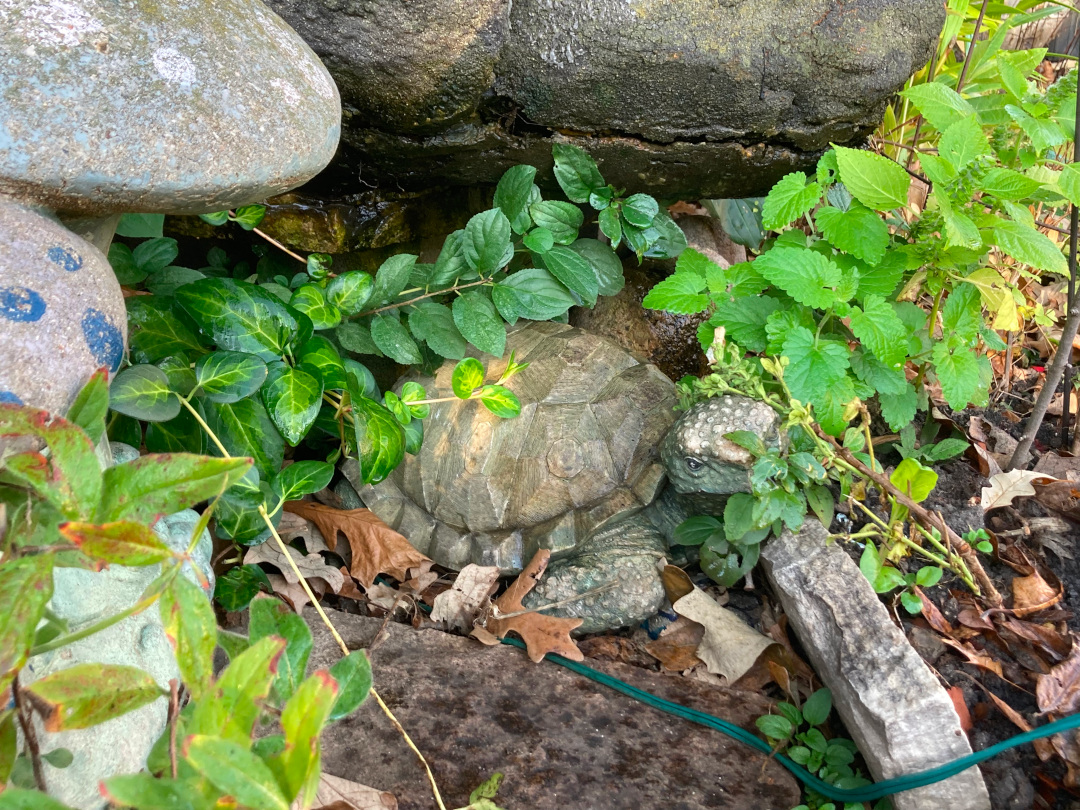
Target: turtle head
column 701, row 464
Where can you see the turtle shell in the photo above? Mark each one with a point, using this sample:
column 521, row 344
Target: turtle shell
column 583, row 452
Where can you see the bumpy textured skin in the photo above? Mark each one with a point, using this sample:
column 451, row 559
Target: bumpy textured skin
column 578, row 472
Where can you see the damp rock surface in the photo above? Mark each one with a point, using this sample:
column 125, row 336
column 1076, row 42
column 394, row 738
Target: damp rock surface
column 560, row 739
column 196, row 106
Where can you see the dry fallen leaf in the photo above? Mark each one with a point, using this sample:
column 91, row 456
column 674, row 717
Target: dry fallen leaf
column 459, row 606
column 729, row 647
column 1054, row 465
column 932, row 615
column 541, row 634
column 349, row 589
column 956, row 695
column 1062, row 497
column 310, row 566
column 293, row 526
column 973, row 657
column 336, row 793
column 676, row 649
column 1006, row 486
column 1058, row 691
column 1032, row 594
column 292, row 592
column 376, row 548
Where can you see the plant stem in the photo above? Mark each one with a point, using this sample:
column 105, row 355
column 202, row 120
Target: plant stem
column 422, row 297
column 280, row 246
column 206, row 428
column 29, row 734
column 971, row 46
column 174, row 713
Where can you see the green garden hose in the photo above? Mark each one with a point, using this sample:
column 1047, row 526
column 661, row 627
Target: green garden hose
column 868, row 793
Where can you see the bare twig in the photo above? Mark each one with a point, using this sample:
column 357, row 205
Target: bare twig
column 174, row 715
column 29, row 734
column 971, row 46
column 421, row 297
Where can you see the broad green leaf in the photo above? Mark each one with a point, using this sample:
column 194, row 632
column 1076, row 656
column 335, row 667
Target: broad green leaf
column 962, row 313
column 215, row 219
column 858, row 231
column 817, row 707
column 899, row 409
column 611, row 226
column 140, row 226
column 744, row 319
column 830, row 404
column 155, row 254
column 476, row 319
column 239, row 316
column 741, row 219
column 292, row 397
column 500, row 400
column 122, row 542
column 539, row 240
column 815, row 363
column 245, row 428
column 484, row 243
column 698, row 531
column 237, row 515
column 1044, row 134
column 1030, row 246
column 937, row 169
column 531, row 293
column 91, row 406
column 149, row 792
column 356, row 337
column 143, row 392
column 272, row 617
column 605, row 264
column 26, row 586
column 310, row 300
column 9, row 745
column 191, row 627
column 912, row 478
column 1006, row 184
column 876, row 374
column 350, row 291
column 303, row 478
column 229, row 376
column 391, row 278
column 319, row 264
column 881, row 331
column 875, row 181
column 562, row 219
column 237, row 698
column 302, row 721
column 962, row 142
column 512, row 194
column 84, row 695
column 451, row 263
column 434, row 324
column 821, row 501
column 883, row 279
column 234, row 770
column 573, row 271
column 180, row 373
column 156, row 331
column 235, row 589
column 467, row 377
column 1069, row 183
column 960, row 230
column 941, row 106
column 958, row 372
column 380, row 441
column 576, row 172
column 250, row 216
column 394, row 340
column 414, row 392
column 639, row 210
column 168, row 280
column 124, row 266
column 805, row 275
column 789, row 199
column 320, row 354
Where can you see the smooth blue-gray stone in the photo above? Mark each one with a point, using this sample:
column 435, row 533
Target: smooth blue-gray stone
column 178, row 106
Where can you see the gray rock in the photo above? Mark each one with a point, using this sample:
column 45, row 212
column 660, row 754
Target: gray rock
column 62, row 313
column 896, row 711
column 180, row 107
column 560, row 740
column 680, row 96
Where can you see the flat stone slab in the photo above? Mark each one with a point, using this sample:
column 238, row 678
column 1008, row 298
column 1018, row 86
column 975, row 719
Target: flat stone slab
column 897, row 712
column 186, row 106
column 560, row 739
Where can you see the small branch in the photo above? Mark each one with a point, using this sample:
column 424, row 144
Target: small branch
column 280, row 246
column 577, row 597
column 174, row 713
column 421, row 298
column 971, row 46
column 26, row 721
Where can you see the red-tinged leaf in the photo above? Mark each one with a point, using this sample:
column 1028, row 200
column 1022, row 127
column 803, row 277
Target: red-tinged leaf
column 233, row 769
column 26, row 586
column 192, row 628
column 151, row 793
column 19, row 799
column 956, row 695
column 162, row 483
column 8, row 744
column 271, row 617
column 353, row 676
column 123, row 542
column 235, row 702
column 302, row 720
column 87, row 694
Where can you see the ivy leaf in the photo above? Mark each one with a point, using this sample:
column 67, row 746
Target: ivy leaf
column 880, row 330
column 573, row 271
column 467, row 377
column 476, row 319
column 143, row 392
column 229, row 376
column 434, row 324
column 245, row 429
column 155, row 254
column 239, row 316
column 302, row 478
column 512, row 195
column 815, row 364
column 156, row 330
column 962, row 142
column 292, row 397
column 350, row 291
column 639, row 210
column 805, row 275
column 576, row 172
column 941, row 106
column 532, row 293
column 744, row 319
column 560, row 218
column 500, row 400
column 484, row 243
column 788, row 200
column 380, row 441
column 957, row 370
column 1029, row 246
column 858, row 231
column 875, row 181
column 394, row 340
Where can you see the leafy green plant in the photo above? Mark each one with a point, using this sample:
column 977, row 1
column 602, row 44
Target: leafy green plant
column 58, row 508
column 980, row 539
column 928, row 450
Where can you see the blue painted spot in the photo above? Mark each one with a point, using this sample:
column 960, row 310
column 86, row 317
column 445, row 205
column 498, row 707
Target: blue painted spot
column 21, row 304
column 8, row 398
column 105, row 341
column 66, row 258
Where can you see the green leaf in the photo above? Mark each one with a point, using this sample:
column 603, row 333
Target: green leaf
column 394, row 340
column 84, row 695
column 1029, row 246
column 451, row 263
column 1069, row 183
column 91, row 405
column 237, row 515
column 573, row 271
column 234, row 770
column 380, row 441
column 576, row 172
column 958, row 372
column 148, row 792
column 302, row 721
column 604, row 262
column 272, row 617
column 539, row 240
column 913, row 479
column 960, row 230
column 168, row 281
column 739, row 516
column 303, row 478
column 611, row 225
column 350, row 291
column 788, row 200
column 805, row 275
column 235, row 589
column 434, row 324
column 562, row 219
column 121, row 542
column 123, row 264
column 26, row 586
column 356, row 337
column 815, row 363
column 245, row 428
column 639, row 210
column 899, row 409
column 1006, row 184
column 319, row 353
column 883, row 279
column 927, row 577
column 310, row 300
column 740, row 219
column 941, row 106
column 531, row 293
column 467, row 377
column 817, row 707
column 239, row 316
column 512, row 194
column 216, row 218
column 1044, row 134
column 319, row 264
column 143, row 392
column 476, row 319
column 858, row 231
column 820, row 499
column 229, row 376
column 937, row 169
column 696, row 531
column 744, row 319
column 873, row 180
column 500, row 400
column 391, row 278
column 292, row 397
column 775, row 727
column 140, row 226
column 353, row 676
column 485, row 242
column 962, row 142
column 249, row 216
column 156, row 331
column 881, row 331
column 155, row 254
column 191, row 627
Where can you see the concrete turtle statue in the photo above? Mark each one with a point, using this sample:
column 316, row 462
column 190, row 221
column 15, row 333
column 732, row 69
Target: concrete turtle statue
column 598, row 467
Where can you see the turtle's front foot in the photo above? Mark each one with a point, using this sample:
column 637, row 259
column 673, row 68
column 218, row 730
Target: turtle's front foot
column 608, row 584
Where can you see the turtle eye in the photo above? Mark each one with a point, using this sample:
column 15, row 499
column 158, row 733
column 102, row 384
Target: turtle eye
column 693, row 463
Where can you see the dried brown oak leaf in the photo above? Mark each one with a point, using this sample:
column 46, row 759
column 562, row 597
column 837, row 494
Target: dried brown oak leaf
column 541, row 634
column 1058, row 691
column 376, row 548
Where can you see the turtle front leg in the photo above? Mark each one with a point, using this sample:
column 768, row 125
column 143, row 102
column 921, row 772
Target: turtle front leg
column 620, row 563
